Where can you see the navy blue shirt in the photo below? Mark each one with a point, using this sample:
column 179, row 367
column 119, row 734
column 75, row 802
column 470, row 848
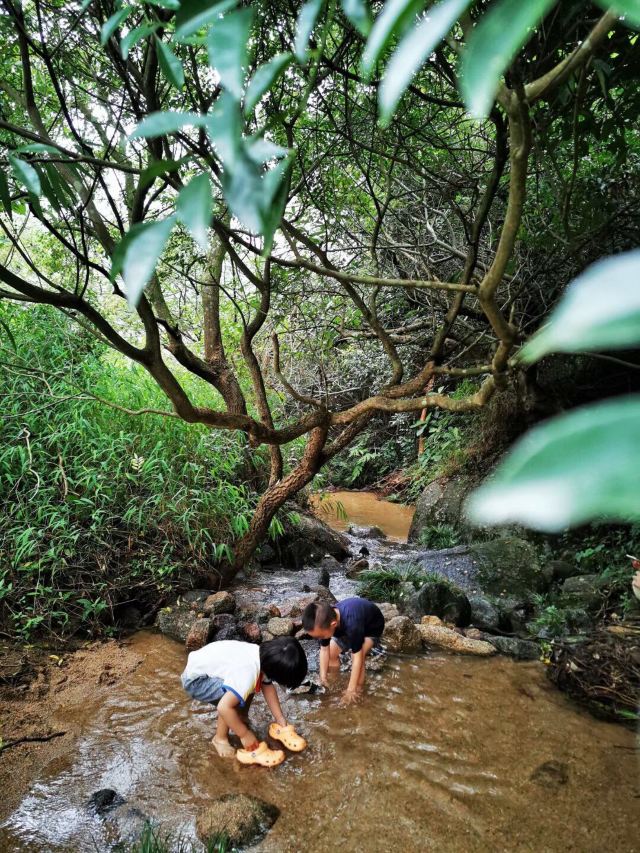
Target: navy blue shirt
column 359, row 618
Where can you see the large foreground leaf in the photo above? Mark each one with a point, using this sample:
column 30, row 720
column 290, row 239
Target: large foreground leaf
column 499, row 35
column 392, row 20
column 194, row 208
column 227, row 44
column 629, row 8
column 579, row 467
column 304, row 27
column 136, row 255
column 195, row 14
column 599, row 310
column 412, row 52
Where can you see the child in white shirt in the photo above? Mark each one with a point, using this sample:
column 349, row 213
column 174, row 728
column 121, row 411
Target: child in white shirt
column 229, row 673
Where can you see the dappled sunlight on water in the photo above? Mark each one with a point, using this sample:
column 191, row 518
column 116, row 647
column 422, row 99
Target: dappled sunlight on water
column 438, row 757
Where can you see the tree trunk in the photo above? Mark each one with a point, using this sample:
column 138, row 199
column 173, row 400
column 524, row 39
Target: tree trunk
column 271, row 501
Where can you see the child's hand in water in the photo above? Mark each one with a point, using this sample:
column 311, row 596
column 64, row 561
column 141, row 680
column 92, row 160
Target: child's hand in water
column 350, row 697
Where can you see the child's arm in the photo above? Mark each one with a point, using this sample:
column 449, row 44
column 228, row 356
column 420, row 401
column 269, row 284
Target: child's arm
column 324, row 664
column 357, row 676
column 272, row 700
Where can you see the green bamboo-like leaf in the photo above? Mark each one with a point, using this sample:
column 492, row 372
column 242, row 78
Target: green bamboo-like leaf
column 193, row 15
column 169, row 121
column 25, row 174
column 243, row 188
column 576, row 468
column 134, row 36
column 161, row 167
column 136, row 255
column 413, row 51
column 37, row 148
column 392, row 20
column 497, row 38
column 47, row 189
column 195, row 207
column 224, row 127
column 262, row 150
column 170, row 65
column 63, row 190
column 5, row 195
column 629, row 8
column 172, row 5
column 359, row 13
column 227, row 43
column 276, row 190
column 599, row 310
column 264, row 78
column 111, row 25
column 304, row 27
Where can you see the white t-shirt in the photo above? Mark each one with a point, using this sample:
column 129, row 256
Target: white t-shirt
column 235, row 662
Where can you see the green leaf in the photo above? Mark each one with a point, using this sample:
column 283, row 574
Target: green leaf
column 392, row 20
column 134, row 36
column 170, row 65
column 25, row 174
column 242, row 186
column 195, row 14
column 47, row 189
column 64, row 191
column 304, row 27
column 629, row 8
column 497, row 38
column 224, row 126
column 110, row 26
column 136, row 255
column 164, row 4
column 37, row 148
column 194, row 208
column 161, row 123
column 5, row 195
column 413, row 51
column 264, row 78
column 262, row 150
column 276, row 191
column 161, row 167
column 359, row 13
column 579, row 467
column 599, row 310
column 227, row 44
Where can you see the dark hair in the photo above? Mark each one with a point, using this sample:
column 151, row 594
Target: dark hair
column 318, row 615
column 283, row 660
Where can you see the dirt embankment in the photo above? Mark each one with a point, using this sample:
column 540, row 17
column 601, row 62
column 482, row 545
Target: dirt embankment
column 43, row 700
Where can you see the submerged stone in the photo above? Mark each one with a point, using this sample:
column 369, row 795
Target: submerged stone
column 242, row 819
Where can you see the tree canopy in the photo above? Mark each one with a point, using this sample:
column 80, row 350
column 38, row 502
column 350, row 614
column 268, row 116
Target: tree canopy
column 239, row 192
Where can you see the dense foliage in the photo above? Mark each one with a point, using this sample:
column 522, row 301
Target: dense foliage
column 290, row 231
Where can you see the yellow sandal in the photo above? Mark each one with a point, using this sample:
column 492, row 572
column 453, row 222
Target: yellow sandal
column 288, row 736
column 261, row 755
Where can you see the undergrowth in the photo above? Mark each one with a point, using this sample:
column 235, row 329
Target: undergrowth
column 153, row 840
column 390, row 584
column 97, row 506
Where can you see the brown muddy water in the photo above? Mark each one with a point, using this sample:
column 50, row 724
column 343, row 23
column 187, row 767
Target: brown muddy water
column 444, row 754
column 364, row 508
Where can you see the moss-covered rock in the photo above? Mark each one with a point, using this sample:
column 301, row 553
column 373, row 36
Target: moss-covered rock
column 438, row 597
column 508, row 565
column 241, row 818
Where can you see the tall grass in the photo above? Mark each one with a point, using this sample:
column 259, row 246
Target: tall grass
column 96, row 505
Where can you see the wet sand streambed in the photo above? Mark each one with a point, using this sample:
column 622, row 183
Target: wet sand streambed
column 445, row 754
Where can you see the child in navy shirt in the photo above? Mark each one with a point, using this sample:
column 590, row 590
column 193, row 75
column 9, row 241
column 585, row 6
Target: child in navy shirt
column 355, row 625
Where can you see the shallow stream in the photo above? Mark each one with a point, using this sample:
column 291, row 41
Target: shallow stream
column 446, row 753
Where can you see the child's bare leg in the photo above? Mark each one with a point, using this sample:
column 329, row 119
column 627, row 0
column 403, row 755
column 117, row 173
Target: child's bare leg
column 228, row 710
column 221, row 739
column 366, row 648
column 334, row 655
